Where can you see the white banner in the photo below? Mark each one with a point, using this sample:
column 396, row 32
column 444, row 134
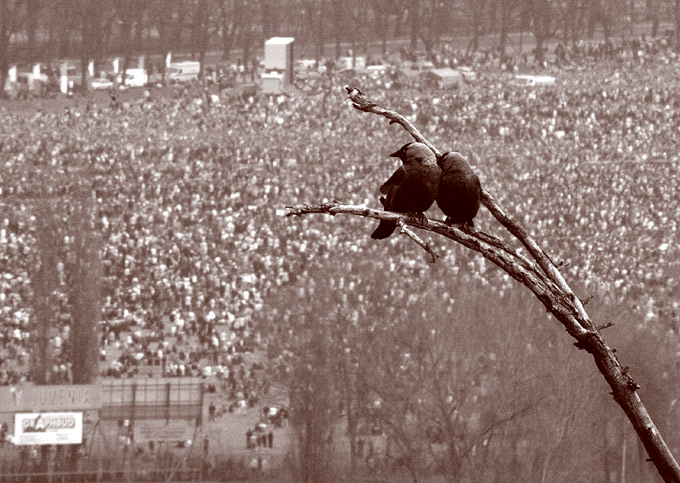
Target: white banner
column 57, row 398
column 48, row 428
column 154, row 430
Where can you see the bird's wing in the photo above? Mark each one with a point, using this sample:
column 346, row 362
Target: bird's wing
column 395, row 180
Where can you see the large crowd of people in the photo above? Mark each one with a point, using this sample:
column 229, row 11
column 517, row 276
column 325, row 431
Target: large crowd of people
column 190, row 193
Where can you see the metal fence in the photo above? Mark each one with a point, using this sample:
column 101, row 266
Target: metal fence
column 150, row 476
column 160, row 398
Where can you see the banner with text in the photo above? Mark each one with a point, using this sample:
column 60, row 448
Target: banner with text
column 48, row 428
column 65, row 397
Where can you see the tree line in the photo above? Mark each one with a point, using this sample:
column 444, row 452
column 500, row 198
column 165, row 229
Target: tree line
column 45, row 30
column 448, row 385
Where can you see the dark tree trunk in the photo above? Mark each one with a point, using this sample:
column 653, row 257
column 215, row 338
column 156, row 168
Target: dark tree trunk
column 505, row 20
column 676, row 12
column 413, row 20
column 338, row 22
column 32, row 13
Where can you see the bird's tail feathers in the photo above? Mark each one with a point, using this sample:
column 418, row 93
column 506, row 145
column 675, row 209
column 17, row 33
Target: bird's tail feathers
column 384, row 230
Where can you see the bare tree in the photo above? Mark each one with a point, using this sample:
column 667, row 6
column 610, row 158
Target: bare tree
column 606, row 13
column 11, row 20
column 167, row 17
column 33, row 10
column 93, row 19
column 383, row 10
column 270, row 13
column 61, row 24
column 45, row 282
column 231, row 13
column 507, row 11
column 653, row 8
column 537, row 272
column 130, row 15
column 676, row 21
column 315, row 13
column 83, row 275
column 542, row 16
column 339, row 16
column 312, row 378
column 430, row 20
column 475, row 11
column 248, row 29
column 573, row 15
column 396, row 371
column 314, row 406
column 204, row 25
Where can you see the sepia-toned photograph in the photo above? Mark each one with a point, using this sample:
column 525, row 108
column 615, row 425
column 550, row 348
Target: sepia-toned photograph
column 332, row 241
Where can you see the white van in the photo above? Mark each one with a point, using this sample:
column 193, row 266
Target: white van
column 534, row 80
column 183, row 71
column 134, row 78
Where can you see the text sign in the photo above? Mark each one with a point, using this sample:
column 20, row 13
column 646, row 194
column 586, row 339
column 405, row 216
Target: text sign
column 173, row 430
column 50, row 398
column 48, row 428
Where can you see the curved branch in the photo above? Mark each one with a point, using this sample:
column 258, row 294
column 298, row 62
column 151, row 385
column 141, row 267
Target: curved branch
column 548, row 286
column 501, row 255
column 402, row 220
column 404, row 230
column 360, row 102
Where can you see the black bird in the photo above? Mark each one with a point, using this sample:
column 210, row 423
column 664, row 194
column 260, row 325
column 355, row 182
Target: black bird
column 413, row 186
column 459, row 189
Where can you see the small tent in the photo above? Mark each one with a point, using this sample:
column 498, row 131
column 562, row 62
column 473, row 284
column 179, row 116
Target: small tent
column 445, row 77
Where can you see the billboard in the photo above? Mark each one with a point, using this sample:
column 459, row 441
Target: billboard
column 50, row 398
column 48, row 428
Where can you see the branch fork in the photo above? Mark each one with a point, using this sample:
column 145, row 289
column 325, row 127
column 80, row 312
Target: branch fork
column 538, row 272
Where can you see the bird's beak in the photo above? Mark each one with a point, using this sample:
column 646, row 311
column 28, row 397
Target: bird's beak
column 396, row 154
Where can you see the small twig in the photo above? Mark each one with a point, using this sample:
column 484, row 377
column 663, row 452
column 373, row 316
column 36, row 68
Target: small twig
column 404, row 230
column 605, row 326
column 360, row 102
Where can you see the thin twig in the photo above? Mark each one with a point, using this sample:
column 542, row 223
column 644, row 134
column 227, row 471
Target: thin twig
column 360, row 102
column 404, row 230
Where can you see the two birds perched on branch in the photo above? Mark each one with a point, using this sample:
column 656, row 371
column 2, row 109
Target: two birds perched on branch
column 422, row 179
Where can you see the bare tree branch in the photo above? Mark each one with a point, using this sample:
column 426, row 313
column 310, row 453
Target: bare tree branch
column 360, row 102
column 548, row 286
column 419, row 241
column 501, row 254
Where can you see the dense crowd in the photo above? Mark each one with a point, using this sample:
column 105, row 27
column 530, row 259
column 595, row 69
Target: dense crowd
column 190, row 194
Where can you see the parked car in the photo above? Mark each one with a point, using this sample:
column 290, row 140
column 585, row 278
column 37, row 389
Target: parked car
column 101, row 84
column 533, row 80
